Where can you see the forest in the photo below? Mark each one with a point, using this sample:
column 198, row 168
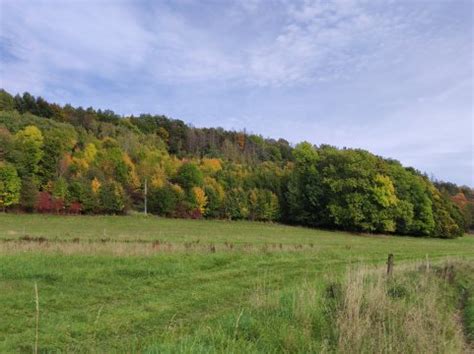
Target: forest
column 70, row 160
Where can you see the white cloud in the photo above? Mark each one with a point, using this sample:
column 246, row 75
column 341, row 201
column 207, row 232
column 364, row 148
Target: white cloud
column 317, row 41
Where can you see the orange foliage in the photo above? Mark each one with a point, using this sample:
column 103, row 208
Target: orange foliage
column 211, row 165
column 460, row 200
column 64, row 164
column 241, row 140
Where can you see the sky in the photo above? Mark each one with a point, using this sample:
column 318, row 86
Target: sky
column 392, row 77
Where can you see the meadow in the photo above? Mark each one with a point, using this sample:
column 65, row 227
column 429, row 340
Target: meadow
column 148, row 284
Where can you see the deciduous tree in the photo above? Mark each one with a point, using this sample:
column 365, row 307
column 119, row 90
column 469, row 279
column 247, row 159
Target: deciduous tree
column 10, row 186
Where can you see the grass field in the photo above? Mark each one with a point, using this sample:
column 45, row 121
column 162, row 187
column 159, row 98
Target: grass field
column 132, row 283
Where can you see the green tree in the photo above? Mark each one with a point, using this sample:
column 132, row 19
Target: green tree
column 342, row 189
column 118, row 166
column 7, row 103
column 448, row 219
column 28, row 144
column 235, row 204
column 304, row 195
column 263, row 205
column 57, row 142
column 414, row 213
column 189, row 176
column 385, row 201
column 60, row 188
column 10, row 186
column 214, row 201
column 28, row 194
column 112, row 198
column 81, row 191
column 6, row 144
column 163, row 201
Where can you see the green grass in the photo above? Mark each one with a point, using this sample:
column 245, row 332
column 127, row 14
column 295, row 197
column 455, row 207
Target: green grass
column 178, row 298
column 469, row 314
column 466, row 288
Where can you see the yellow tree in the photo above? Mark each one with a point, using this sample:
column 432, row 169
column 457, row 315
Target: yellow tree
column 90, row 152
column 200, row 199
column 79, row 165
column 95, row 185
column 211, row 166
column 132, row 177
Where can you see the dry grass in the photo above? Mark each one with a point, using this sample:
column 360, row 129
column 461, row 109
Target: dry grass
column 131, row 248
column 409, row 313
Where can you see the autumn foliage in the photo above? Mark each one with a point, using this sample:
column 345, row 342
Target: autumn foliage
column 67, row 160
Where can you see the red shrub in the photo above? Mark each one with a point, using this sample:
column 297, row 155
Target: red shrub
column 44, row 203
column 58, row 205
column 75, row 208
column 195, row 214
column 183, row 211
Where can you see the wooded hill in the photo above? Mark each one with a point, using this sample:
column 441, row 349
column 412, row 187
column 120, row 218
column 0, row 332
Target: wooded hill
column 62, row 159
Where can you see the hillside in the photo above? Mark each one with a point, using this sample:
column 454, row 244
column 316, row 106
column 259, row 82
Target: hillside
column 67, row 160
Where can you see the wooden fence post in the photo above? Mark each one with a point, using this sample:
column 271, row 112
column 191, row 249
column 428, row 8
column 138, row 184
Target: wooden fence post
column 390, row 264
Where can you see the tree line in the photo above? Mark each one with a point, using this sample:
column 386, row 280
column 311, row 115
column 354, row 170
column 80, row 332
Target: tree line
column 64, row 159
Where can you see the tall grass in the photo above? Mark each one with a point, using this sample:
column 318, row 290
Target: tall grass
column 37, row 318
column 414, row 311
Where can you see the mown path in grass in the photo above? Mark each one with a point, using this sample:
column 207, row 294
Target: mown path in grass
column 100, row 301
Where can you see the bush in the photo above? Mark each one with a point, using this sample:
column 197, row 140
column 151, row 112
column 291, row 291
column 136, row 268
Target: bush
column 163, row 201
column 112, row 198
column 47, row 203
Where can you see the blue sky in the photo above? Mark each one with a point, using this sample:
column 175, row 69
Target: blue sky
column 393, row 77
